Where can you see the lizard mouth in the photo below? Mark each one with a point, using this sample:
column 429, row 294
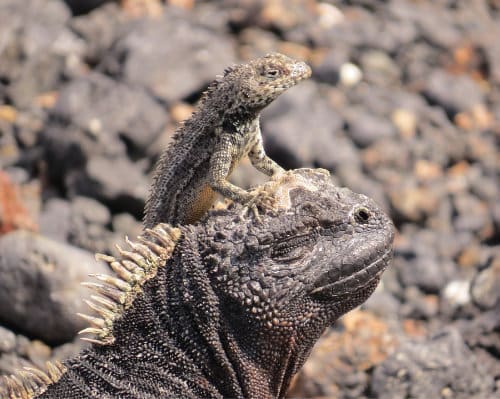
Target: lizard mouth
column 356, row 281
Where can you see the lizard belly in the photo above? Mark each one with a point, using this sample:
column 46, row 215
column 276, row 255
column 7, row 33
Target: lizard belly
column 201, row 204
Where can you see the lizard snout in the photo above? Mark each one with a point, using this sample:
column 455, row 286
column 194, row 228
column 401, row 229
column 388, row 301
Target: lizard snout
column 300, row 70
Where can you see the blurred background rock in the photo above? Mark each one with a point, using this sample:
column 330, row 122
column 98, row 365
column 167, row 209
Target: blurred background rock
column 403, row 105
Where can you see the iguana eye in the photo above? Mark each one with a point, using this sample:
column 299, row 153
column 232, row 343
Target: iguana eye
column 292, row 248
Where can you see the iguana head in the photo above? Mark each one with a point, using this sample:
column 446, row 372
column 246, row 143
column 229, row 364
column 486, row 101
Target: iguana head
column 284, row 280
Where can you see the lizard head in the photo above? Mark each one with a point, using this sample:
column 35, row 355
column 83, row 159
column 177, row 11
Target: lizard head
column 293, row 274
column 257, row 83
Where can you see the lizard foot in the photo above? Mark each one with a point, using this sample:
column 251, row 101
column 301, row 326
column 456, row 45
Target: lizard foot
column 260, row 198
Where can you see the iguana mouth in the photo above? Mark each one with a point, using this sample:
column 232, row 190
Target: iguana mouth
column 355, row 281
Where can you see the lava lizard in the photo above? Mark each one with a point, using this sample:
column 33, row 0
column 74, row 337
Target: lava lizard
column 223, row 129
column 227, row 308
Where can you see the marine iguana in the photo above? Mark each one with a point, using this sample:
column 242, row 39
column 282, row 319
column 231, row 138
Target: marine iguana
column 229, row 307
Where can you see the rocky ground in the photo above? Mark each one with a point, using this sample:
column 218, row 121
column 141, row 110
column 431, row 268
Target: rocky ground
column 404, row 106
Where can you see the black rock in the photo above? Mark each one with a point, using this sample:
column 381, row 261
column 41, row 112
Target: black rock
column 439, row 140
column 301, row 129
column 126, row 225
column 485, row 289
column 383, row 304
column 172, row 56
column 379, row 68
column 35, row 45
column 417, row 306
column 101, row 106
column 426, row 272
column 40, row 291
column 365, row 128
column 482, row 332
column 441, row 367
column 117, row 182
column 39, row 74
column 422, row 265
column 492, row 51
column 9, row 149
column 99, row 29
column 68, row 148
column 328, row 69
column 83, row 6
column 7, row 340
column 11, row 362
column 55, row 219
column 435, row 24
column 455, row 93
column 471, row 213
column 82, row 222
column 90, row 211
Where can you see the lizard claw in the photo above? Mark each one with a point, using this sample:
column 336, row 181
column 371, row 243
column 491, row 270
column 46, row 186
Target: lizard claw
column 251, row 208
column 259, row 198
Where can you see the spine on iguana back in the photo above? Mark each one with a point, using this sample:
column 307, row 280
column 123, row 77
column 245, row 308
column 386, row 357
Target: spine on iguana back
column 177, row 172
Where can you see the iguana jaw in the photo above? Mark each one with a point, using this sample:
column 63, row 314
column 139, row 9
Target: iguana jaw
column 328, row 287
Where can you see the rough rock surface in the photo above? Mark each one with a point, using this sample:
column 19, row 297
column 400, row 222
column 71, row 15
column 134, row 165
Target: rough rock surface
column 441, row 367
column 40, row 291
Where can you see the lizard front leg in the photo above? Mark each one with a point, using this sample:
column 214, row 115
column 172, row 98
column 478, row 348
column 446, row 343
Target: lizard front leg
column 221, row 163
column 260, row 160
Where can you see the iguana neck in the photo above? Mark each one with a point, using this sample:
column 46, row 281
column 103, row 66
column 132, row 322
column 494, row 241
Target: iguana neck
column 243, row 359
column 237, row 359
column 264, row 365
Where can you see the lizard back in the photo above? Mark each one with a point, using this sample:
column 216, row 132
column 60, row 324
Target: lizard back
column 178, row 174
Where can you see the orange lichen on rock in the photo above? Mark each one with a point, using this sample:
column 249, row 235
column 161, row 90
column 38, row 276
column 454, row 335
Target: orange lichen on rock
column 364, row 342
column 13, row 214
column 141, row 8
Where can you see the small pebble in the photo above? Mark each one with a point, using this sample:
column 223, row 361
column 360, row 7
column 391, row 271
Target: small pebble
column 350, row 74
column 457, row 292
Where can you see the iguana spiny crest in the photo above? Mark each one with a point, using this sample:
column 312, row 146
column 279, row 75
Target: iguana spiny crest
column 116, row 293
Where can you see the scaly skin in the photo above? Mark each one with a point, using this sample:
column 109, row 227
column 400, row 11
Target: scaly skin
column 232, row 307
column 223, row 130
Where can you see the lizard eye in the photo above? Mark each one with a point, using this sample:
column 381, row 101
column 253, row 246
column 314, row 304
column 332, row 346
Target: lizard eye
column 271, row 73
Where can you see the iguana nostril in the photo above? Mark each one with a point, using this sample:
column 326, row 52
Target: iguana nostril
column 362, row 215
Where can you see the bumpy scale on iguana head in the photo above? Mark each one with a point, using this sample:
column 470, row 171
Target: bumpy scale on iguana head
column 236, row 309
